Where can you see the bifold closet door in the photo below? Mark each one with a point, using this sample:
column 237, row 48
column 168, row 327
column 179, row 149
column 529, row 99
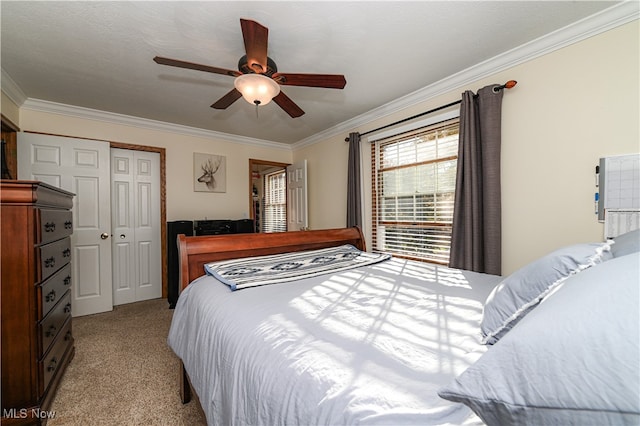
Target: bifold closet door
column 80, row 166
column 135, row 213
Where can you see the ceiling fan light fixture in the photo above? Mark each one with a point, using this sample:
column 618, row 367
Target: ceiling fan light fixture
column 257, row 89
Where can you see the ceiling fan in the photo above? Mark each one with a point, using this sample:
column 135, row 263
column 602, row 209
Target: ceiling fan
column 258, row 79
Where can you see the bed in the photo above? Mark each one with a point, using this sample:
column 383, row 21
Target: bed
column 391, row 341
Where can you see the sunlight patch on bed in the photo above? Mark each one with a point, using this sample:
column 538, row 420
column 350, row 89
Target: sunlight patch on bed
column 425, row 272
column 337, row 368
column 406, row 327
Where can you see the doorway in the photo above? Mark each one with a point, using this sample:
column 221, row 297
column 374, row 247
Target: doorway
column 263, row 210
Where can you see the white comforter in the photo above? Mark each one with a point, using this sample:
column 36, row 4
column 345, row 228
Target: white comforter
column 370, row 345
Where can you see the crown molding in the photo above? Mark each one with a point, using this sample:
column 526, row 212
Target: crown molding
column 127, row 120
column 615, row 16
column 11, row 89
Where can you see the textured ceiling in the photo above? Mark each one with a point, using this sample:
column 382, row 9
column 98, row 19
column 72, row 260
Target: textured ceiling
column 99, row 55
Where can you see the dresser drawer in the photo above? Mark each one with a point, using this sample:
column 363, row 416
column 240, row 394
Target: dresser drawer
column 51, row 325
column 50, row 292
column 53, row 360
column 52, row 257
column 54, row 224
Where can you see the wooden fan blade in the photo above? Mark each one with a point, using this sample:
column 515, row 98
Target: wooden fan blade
column 227, row 99
column 288, row 105
column 255, row 44
column 191, row 66
column 330, row 81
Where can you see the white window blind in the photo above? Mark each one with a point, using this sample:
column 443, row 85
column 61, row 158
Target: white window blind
column 275, row 202
column 413, row 187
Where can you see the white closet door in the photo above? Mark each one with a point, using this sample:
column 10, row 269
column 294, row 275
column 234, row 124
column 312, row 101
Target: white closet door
column 82, row 167
column 137, row 266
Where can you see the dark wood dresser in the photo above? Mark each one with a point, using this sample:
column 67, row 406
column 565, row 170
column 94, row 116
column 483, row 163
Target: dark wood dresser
column 37, row 343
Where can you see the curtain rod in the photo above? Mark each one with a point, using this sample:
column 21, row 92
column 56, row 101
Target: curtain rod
column 508, row 85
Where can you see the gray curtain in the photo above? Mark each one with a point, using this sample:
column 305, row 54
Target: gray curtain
column 477, row 231
column 354, row 208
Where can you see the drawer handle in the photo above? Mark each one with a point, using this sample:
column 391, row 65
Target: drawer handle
column 49, row 227
column 51, row 332
column 52, row 364
column 67, row 336
column 51, row 296
column 68, row 224
column 67, row 308
column 66, row 253
column 50, row 262
column 67, row 280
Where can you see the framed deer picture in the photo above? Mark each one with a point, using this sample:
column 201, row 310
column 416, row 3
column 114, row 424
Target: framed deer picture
column 209, row 173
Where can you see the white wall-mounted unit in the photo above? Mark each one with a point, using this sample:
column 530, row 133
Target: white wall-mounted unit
column 619, row 194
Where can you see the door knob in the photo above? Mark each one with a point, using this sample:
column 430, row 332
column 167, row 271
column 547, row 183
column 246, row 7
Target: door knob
column 104, row 235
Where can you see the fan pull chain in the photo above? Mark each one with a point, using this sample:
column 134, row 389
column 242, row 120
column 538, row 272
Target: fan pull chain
column 257, row 110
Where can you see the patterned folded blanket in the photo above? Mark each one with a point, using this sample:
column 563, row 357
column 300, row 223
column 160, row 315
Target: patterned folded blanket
column 280, row 268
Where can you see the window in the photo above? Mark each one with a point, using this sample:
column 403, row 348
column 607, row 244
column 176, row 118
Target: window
column 275, row 202
column 413, row 187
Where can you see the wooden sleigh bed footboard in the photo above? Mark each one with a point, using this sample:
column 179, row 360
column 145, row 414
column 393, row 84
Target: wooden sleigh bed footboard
column 195, row 252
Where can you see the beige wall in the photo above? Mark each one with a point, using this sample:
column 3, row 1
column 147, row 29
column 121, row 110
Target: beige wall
column 10, row 109
column 570, row 108
column 182, row 202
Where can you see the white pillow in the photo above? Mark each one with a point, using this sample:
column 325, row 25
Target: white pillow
column 574, row 360
column 520, row 292
column 626, row 243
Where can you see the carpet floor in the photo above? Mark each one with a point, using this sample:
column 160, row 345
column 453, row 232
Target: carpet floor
column 123, row 372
